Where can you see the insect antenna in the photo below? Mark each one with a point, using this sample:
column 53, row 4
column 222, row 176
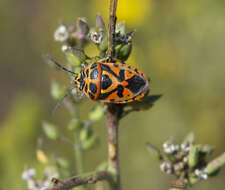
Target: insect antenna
column 62, row 99
column 50, row 60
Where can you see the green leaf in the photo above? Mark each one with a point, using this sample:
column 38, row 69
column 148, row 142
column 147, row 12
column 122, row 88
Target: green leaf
column 103, row 166
column 75, row 125
column 75, row 57
column 57, row 91
column 50, row 130
column 97, row 113
column 189, row 139
column 91, row 142
column 206, row 149
column 86, row 133
column 154, row 151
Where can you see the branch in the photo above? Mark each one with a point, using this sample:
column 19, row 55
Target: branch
column 90, row 178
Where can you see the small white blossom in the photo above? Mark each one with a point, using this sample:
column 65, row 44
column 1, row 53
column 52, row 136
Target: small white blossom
column 166, row 167
column 28, row 174
column 96, row 37
column 162, row 166
column 61, row 34
column 44, row 184
column 202, row 174
column 170, row 148
column 185, row 147
column 64, row 48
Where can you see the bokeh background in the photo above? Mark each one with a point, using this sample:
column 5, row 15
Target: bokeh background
column 179, row 44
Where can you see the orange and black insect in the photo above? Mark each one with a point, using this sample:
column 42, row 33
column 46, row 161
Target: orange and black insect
column 112, row 82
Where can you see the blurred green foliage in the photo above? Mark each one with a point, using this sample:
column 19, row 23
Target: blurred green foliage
column 179, row 44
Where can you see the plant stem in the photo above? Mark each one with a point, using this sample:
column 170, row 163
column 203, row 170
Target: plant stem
column 111, row 28
column 78, row 145
column 113, row 112
column 113, row 115
column 216, row 164
column 90, row 178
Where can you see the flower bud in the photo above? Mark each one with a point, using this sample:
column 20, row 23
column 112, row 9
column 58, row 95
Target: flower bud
column 193, row 156
column 83, row 26
column 99, row 23
column 103, row 46
column 123, row 51
column 121, row 28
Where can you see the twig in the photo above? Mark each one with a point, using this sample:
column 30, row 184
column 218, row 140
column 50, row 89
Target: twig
column 90, row 178
column 113, row 115
column 113, row 112
column 111, row 28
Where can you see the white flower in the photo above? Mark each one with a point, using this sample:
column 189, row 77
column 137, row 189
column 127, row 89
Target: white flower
column 28, row 174
column 96, row 37
column 170, row 148
column 64, row 48
column 61, row 34
column 202, row 174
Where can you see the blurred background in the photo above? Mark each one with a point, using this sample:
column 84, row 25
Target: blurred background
column 179, row 44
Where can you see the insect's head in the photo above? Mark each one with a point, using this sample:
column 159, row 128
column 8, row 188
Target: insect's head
column 79, row 80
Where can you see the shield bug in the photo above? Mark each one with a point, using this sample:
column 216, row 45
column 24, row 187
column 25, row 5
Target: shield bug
column 111, row 82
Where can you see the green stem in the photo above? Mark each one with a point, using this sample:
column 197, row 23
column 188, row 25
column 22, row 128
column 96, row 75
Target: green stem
column 216, row 164
column 79, row 154
column 78, row 145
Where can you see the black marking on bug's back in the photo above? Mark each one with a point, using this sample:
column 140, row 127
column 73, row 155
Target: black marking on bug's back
column 87, row 72
column 94, row 74
column 122, row 75
column 112, row 100
column 120, row 91
column 81, row 80
column 135, row 83
column 93, row 88
column 107, row 68
column 106, row 95
column 91, row 95
column 85, row 88
column 94, row 65
column 106, row 82
column 115, row 65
